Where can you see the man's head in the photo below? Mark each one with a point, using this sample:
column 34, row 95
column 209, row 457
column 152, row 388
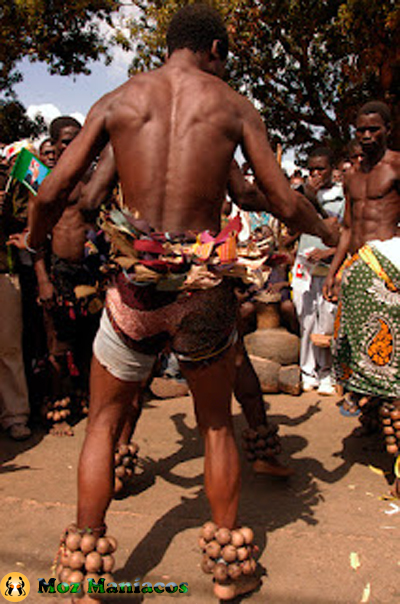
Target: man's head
column 373, row 127
column 355, row 153
column 47, row 154
column 200, row 29
column 320, row 162
column 62, row 131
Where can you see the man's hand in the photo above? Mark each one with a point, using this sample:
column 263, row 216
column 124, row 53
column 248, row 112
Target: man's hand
column 331, row 234
column 46, row 293
column 331, row 288
column 317, row 255
column 18, row 240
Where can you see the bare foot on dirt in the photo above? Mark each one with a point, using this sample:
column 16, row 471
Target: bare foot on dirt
column 61, row 429
column 395, row 490
column 272, row 467
column 236, row 588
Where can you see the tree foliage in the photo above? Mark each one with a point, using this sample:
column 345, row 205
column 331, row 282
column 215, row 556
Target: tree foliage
column 308, row 64
column 15, row 124
column 65, row 35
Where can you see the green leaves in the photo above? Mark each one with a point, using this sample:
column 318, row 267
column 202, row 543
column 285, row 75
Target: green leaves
column 65, row 35
column 309, row 64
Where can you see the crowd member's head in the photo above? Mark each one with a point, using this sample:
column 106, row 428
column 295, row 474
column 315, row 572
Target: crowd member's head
column 355, row 153
column 200, row 29
column 320, row 162
column 47, row 153
column 340, row 170
column 373, row 127
column 62, row 131
column 297, row 181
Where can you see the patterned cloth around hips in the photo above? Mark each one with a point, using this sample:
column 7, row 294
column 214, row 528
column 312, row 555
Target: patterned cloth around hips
column 366, row 344
column 173, row 262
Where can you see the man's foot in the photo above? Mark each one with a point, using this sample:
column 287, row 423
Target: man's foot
column 61, row 429
column 241, row 586
column 272, row 467
column 395, row 490
column 349, row 406
column 309, row 384
column 19, row 432
column 326, row 388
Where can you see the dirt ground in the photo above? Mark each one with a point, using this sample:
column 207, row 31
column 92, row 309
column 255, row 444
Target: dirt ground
column 307, row 528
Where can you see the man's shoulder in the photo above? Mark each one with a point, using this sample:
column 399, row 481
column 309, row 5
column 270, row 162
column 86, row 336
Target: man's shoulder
column 393, row 159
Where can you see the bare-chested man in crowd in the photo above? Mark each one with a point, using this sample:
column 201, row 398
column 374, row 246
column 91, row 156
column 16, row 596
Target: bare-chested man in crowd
column 367, row 346
column 174, row 132
column 69, row 333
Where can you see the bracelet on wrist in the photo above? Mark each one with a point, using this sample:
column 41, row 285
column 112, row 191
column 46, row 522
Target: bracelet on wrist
column 26, row 243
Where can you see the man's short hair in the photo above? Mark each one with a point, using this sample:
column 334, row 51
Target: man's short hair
column 322, row 152
column 196, row 27
column 65, row 121
column 376, row 107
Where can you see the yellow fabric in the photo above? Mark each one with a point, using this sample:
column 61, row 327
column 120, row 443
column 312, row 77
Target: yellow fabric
column 367, row 255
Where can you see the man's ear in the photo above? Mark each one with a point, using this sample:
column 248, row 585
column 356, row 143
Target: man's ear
column 215, row 49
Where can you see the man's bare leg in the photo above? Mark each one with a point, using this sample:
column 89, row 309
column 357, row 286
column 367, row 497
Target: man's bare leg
column 247, row 390
column 212, row 387
column 110, row 401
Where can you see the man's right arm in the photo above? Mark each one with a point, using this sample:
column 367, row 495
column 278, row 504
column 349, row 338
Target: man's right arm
column 290, row 207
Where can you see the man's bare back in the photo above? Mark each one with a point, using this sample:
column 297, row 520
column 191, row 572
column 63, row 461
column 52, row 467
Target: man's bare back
column 375, row 201
column 190, row 122
column 174, row 132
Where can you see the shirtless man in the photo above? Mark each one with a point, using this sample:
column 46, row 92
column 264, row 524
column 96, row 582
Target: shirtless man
column 174, row 132
column 69, row 335
column 366, row 349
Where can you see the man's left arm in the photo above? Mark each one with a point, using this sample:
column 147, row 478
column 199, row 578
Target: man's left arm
column 245, row 194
